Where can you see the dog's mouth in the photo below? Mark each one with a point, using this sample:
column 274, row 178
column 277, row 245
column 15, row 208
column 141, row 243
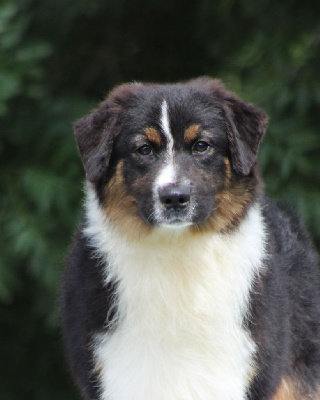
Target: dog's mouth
column 167, row 219
column 161, row 216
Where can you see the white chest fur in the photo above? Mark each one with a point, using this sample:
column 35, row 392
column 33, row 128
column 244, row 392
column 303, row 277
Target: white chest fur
column 182, row 299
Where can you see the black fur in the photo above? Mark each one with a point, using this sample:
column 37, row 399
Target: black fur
column 284, row 317
column 87, row 307
column 285, row 307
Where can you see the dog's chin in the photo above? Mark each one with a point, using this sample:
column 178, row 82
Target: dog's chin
column 168, row 220
column 175, row 224
column 172, row 228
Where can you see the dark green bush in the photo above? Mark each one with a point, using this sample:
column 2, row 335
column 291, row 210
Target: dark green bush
column 57, row 59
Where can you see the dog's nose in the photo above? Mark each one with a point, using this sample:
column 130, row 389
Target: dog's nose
column 174, row 197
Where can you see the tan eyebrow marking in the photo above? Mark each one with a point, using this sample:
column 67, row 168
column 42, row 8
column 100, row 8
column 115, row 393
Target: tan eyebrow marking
column 153, row 135
column 191, row 133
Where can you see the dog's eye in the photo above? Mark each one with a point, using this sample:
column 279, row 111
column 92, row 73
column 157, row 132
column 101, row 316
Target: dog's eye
column 145, row 150
column 200, row 146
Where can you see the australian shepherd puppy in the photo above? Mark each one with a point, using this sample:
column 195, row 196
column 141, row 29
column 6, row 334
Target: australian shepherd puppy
column 184, row 281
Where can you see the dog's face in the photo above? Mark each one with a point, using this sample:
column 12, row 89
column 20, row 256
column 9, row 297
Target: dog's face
column 172, row 155
column 173, row 151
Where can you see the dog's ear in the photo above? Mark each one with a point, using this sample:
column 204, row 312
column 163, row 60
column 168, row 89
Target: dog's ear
column 94, row 137
column 246, row 126
column 95, row 132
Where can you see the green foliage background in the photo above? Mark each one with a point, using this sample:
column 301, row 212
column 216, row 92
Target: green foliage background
column 57, row 59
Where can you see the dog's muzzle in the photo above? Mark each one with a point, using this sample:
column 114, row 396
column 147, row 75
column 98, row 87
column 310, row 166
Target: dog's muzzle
column 174, row 202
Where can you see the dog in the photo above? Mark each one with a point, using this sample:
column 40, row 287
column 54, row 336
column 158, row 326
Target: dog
column 184, row 280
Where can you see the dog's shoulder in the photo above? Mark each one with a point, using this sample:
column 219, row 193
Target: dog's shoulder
column 84, row 298
column 285, row 305
column 86, row 291
column 287, row 236
column 292, row 263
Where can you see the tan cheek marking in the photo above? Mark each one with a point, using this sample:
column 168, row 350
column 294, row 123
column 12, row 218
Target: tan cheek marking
column 286, row 391
column 153, row 135
column 230, row 207
column 191, row 133
column 122, row 208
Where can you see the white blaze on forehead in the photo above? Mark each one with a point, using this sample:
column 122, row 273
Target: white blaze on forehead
column 165, row 125
column 167, row 173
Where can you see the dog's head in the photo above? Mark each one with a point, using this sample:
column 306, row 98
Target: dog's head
column 172, row 155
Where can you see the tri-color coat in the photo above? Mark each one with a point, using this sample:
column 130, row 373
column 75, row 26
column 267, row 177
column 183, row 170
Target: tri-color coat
column 184, row 281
